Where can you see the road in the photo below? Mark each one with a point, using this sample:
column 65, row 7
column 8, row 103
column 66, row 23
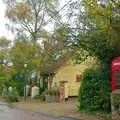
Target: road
column 8, row 112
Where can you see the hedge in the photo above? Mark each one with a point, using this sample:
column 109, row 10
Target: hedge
column 94, row 93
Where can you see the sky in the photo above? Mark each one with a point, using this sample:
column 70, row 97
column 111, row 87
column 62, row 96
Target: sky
column 3, row 20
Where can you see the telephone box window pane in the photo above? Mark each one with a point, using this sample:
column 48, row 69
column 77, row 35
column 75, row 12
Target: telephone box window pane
column 117, row 77
column 117, row 72
column 118, row 82
column 118, row 87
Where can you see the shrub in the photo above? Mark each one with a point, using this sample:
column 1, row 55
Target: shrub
column 41, row 96
column 37, row 97
column 20, row 88
column 94, row 93
column 42, row 90
column 52, row 92
column 12, row 96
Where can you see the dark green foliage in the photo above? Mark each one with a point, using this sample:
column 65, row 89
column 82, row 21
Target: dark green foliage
column 41, row 96
column 20, row 88
column 42, row 90
column 12, row 96
column 96, row 44
column 52, row 92
column 94, row 93
column 37, row 97
column 19, row 79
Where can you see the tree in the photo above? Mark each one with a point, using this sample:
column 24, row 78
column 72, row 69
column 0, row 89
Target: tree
column 25, row 53
column 21, row 53
column 4, row 61
column 97, row 31
column 4, row 47
column 97, row 27
column 54, row 53
column 31, row 16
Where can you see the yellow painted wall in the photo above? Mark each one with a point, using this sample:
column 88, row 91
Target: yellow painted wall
column 69, row 72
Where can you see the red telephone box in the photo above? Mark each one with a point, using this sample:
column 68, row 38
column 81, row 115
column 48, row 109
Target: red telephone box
column 116, row 74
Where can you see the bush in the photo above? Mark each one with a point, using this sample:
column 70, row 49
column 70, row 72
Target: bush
column 42, row 90
column 12, row 96
column 20, row 88
column 94, row 93
column 41, row 96
column 52, row 92
column 37, row 97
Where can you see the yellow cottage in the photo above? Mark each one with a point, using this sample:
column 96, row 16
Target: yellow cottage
column 68, row 73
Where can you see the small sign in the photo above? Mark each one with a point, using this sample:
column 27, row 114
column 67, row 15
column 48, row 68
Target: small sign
column 21, row 75
column 116, row 63
column 78, row 77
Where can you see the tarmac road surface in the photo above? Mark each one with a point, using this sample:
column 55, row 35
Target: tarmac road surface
column 8, row 112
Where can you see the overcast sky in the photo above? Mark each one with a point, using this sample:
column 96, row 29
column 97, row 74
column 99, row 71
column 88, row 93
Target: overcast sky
column 3, row 29
column 3, row 20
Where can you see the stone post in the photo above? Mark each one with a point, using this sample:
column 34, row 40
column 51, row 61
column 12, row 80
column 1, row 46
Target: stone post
column 62, row 91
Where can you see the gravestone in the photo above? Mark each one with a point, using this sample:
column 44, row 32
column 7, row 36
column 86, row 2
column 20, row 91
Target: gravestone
column 10, row 89
column 35, row 91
